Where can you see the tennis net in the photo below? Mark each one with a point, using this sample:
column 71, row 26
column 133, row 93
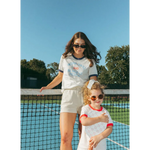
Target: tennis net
column 40, row 119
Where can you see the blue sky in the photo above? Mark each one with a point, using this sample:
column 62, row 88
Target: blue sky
column 47, row 26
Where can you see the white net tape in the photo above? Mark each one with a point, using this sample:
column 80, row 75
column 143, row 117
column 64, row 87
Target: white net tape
column 58, row 92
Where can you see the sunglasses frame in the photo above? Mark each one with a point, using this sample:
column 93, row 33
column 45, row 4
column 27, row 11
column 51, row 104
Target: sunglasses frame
column 77, row 46
column 97, row 97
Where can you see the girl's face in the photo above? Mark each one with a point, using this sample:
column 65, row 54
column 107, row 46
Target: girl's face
column 96, row 104
column 78, row 51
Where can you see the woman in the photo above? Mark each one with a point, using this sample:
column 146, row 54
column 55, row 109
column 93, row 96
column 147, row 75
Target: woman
column 77, row 65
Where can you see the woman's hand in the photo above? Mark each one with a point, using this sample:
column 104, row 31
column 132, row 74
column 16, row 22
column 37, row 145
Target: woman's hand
column 54, row 83
column 43, row 88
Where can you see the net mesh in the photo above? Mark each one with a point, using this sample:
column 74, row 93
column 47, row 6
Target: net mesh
column 40, row 121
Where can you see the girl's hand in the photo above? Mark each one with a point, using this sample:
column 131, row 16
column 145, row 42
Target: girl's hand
column 93, row 142
column 104, row 118
column 90, row 147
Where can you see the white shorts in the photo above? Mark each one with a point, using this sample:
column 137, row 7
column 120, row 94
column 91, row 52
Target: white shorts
column 72, row 101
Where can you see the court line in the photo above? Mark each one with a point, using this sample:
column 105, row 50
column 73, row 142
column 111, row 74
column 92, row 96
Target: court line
column 121, row 123
column 50, row 109
column 78, row 123
column 75, row 121
column 117, row 143
column 55, row 111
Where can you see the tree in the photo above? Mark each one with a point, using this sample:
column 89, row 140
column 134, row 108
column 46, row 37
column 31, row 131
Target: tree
column 117, row 63
column 129, row 66
column 38, row 66
column 24, row 63
column 52, row 69
column 104, row 76
column 33, row 68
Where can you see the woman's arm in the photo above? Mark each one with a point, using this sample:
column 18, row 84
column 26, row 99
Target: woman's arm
column 55, row 82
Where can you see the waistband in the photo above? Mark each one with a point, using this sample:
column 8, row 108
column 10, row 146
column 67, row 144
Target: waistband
column 74, row 88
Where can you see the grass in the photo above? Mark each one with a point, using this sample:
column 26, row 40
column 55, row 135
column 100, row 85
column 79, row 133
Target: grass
column 40, row 101
column 117, row 114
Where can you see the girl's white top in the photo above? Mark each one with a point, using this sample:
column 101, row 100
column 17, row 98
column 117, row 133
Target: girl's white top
column 76, row 71
column 84, row 141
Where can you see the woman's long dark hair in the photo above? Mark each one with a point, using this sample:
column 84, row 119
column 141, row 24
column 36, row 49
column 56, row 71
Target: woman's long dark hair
column 90, row 52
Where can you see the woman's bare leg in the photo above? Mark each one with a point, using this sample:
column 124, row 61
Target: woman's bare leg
column 79, row 127
column 67, row 121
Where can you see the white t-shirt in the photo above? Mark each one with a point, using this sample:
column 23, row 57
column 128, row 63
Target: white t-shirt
column 76, row 71
column 84, row 141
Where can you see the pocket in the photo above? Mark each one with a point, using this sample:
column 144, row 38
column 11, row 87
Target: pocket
column 66, row 97
column 81, row 98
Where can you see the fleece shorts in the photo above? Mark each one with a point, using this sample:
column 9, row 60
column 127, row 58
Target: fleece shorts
column 72, row 101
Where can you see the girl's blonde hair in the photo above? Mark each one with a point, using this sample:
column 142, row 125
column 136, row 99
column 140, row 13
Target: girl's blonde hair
column 87, row 92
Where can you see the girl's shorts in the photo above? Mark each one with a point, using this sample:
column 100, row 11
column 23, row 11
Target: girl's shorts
column 72, row 101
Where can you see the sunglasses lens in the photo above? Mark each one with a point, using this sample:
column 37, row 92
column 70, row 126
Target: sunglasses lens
column 77, row 46
column 83, row 46
column 93, row 98
column 100, row 96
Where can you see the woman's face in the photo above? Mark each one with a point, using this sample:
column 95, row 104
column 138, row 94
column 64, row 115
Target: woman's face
column 78, row 50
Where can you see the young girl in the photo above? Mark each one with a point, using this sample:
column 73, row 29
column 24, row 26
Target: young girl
column 76, row 66
column 93, row 97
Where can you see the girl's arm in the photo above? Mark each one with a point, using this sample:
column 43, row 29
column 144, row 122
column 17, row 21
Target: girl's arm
column 55, row 82
column 96, row 139
column 86, row 121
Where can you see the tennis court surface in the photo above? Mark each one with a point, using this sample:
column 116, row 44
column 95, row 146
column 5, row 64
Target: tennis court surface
column 40, row 120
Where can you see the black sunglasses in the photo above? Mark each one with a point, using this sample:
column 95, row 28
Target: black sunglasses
column 93, row 98
column 77, row 46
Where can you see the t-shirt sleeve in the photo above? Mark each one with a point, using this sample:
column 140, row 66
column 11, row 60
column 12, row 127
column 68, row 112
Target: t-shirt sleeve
column 93, row 70
column 61, row 68
column 84, row 112
column 110, row 120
